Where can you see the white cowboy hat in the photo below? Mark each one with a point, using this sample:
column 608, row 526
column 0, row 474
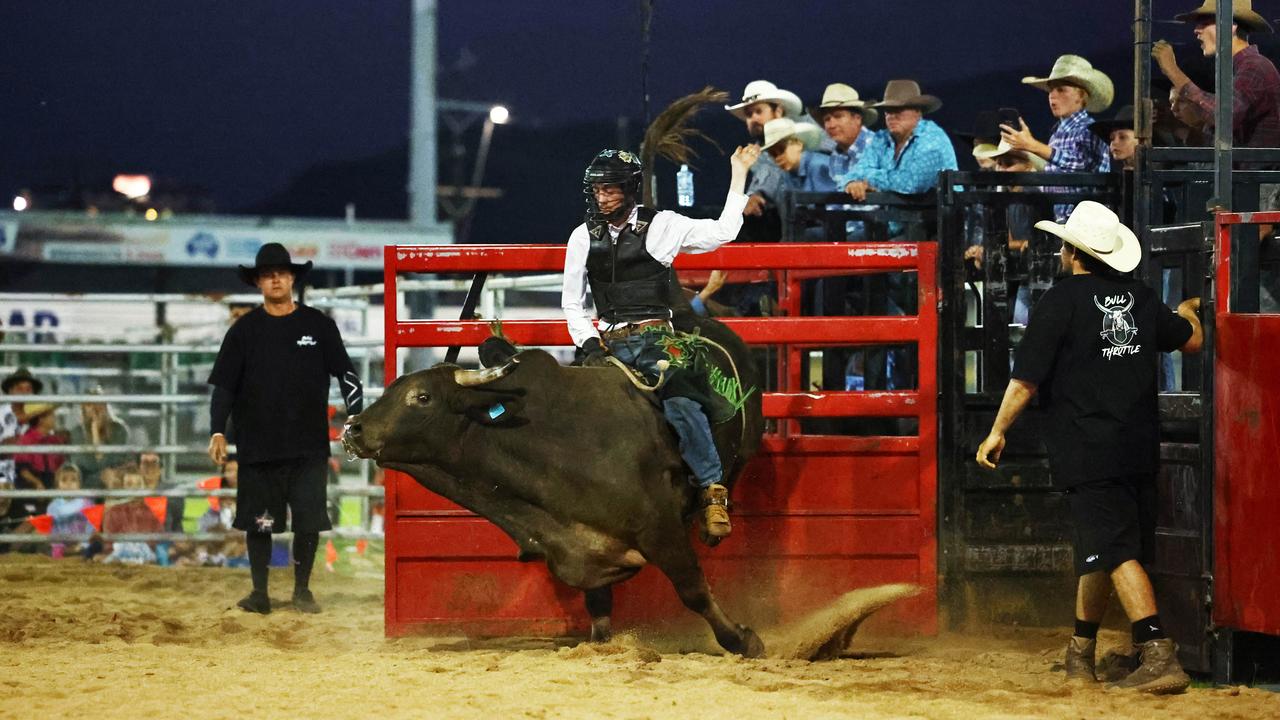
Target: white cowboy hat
column 779, row 129
column 839, row 95
column 986, row 150
column 1098, row 232
column 765, row 91
column 1241, row 11
column 1075, row 70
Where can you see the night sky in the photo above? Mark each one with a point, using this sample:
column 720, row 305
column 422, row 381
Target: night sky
column 241, row 97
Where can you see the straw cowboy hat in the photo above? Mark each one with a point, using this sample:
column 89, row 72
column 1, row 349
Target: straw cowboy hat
column 765, row 91
column 839, row 95
column 35, row 410
column 272, row 255
column 1075, row 70
column 18, row 376
column 1241, row 11
column 1123, row 120
column 1098, row 232
column 987, row 150
column 779, row 129
column 906, row 94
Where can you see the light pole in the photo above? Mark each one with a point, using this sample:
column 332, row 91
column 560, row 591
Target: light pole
column 462, row 200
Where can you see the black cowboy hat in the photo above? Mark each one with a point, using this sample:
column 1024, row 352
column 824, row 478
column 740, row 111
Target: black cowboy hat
column 18, row 376
column 1123, row 120
column 272, row 255
column 986, row 129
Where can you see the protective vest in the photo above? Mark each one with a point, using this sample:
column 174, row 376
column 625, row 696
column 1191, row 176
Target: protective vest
column 627, row 283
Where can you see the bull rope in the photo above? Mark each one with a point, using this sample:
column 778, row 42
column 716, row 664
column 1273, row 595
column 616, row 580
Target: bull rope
column 641, row 385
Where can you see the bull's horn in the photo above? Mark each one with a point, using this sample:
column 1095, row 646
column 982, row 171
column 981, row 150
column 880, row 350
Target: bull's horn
column 470, row 378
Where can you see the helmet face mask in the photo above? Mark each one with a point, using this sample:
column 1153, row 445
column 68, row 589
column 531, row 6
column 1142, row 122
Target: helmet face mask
column 612, row 167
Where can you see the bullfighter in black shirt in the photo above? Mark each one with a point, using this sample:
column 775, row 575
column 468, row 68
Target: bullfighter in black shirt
column 272, row 378
column 1091, row 348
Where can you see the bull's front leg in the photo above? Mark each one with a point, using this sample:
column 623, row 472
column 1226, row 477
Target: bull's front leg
column 600, row 606
column 675, row 557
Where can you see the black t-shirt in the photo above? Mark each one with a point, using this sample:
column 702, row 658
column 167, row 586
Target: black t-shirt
column 278, row 369
column 1091, row 347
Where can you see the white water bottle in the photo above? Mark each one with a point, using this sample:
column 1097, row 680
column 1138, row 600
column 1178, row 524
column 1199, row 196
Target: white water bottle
column 684, row 187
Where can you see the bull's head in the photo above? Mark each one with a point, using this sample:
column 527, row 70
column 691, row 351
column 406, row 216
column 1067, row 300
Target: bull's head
column 420, row 417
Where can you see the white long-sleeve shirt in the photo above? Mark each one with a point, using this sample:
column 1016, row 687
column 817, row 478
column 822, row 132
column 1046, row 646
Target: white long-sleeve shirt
column 669, row 235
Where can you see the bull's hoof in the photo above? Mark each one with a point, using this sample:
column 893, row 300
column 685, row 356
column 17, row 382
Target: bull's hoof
column 752, row 645
column 601, row 630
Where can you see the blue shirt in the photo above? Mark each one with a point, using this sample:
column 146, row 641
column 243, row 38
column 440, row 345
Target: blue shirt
column 927, row 153
column 1075, row 149
column 830, row 163
column 767, row 179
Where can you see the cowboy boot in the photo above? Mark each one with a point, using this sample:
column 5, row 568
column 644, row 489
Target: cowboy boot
column 715, row 514
column 1079, row 661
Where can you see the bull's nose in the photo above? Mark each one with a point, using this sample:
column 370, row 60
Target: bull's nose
column 352, row 428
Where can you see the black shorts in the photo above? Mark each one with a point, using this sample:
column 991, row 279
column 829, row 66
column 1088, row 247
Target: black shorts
column 1115, row 522
column 265, row 489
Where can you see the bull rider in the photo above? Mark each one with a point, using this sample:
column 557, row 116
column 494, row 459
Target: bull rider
column 624, row 251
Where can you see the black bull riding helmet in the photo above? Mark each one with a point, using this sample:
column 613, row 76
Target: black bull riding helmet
column 613, row 167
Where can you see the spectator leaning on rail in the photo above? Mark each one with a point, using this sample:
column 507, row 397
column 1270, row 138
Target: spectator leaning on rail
column 908, row 154
column 1075, row 89
column 1102, row 431
column 845, row 117
column 272, row 377
column 624, row 251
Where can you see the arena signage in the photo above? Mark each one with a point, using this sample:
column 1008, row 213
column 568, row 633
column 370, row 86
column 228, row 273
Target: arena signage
column 213, row 244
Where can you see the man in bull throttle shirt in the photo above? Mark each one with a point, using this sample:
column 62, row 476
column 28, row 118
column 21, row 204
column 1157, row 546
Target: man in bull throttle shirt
column 272, row 377
column 1091, row 349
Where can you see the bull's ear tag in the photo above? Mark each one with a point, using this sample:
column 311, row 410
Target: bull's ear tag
column 496, row 411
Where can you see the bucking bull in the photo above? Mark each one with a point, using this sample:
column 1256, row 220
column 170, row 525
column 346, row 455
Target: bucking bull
column 576, row 464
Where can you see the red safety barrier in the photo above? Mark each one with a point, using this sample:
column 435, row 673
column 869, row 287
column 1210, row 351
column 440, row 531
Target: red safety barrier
column 814, row 515
column 1246, row 496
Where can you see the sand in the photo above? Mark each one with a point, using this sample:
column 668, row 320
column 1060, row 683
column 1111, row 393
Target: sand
column 90, row 641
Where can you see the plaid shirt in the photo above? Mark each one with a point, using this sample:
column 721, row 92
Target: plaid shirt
column 831, row 164
column 1255, row 119
column 1075, row 149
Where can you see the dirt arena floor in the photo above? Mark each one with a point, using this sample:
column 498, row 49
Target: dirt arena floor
column 83, row 640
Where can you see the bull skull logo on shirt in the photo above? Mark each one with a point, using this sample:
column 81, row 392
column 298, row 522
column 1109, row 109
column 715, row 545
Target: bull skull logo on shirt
column 1117, row 323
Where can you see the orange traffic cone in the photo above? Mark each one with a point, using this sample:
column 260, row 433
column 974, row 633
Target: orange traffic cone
column 361, row 546
column 330, row 555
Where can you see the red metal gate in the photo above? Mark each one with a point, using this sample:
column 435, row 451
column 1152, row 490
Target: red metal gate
column 1246, row 496
column 814, row 516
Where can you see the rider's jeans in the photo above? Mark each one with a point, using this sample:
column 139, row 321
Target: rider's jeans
column 642, row 352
